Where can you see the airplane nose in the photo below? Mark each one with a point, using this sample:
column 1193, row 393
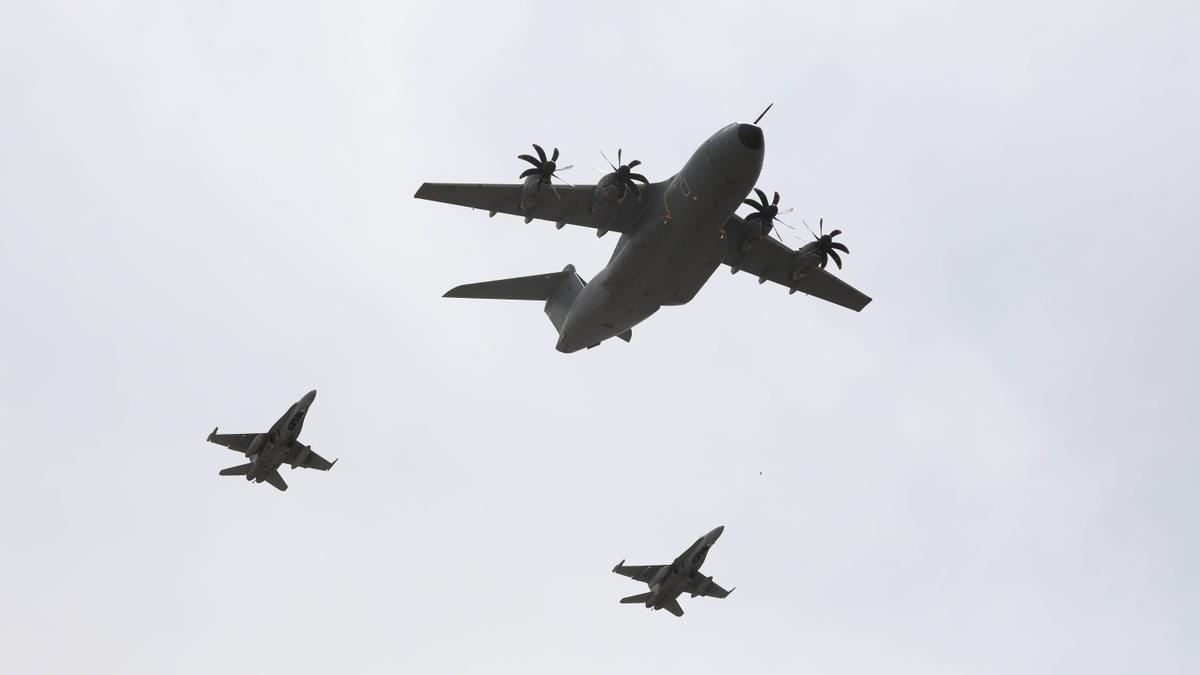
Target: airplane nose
column 750, row 136
column 309, row 397
column 716, row 534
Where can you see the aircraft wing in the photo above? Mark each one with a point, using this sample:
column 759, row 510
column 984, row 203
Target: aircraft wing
column 236, row 442
column 307, row 459
column 768, row 259
column 564, row 205
column 643, row 573
column 698, row 584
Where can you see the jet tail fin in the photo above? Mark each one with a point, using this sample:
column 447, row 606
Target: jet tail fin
column 673, row 607
column 240, row 470
column 635, row 599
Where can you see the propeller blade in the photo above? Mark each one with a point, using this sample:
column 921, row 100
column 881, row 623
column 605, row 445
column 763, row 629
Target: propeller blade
column 634, row 163
column 619, row 156
column 814, row 234
column 529, row 172
column 638, row 176
column 780, row 221
column 531, row 160
column 565, row 168
column 554, row 157
column 785, row 212
column 554, row 175
column 750, row 202
column 836, row 258
column 839, row 246
column 607, row 160
column 541, row 153
column 834, row 233
column 775, row 202
column 762, row 196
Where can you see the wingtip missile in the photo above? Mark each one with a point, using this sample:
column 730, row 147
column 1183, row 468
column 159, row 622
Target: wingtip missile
column 618, row 565
column 214, row 433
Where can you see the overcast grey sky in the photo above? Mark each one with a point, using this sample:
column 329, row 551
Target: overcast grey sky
column 208, row 211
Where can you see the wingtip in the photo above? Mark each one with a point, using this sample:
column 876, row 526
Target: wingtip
column 334, row 463
column 618, row 565
column 211, row 435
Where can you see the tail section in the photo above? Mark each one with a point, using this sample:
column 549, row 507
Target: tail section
column 240, row 470
column 536, row 287
column 277, row 481
column 557, row 289
column 636, row 599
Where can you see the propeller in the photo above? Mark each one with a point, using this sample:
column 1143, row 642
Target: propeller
column 827, row 248
column 543, row 167
column 623, row 176
column 765, row 212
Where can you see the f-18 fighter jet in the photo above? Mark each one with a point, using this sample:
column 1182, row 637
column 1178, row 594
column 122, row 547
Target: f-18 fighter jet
column 278, row 446
column 667, row 582
column 674, row 235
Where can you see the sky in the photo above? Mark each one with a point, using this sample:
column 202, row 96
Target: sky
column 208, row 212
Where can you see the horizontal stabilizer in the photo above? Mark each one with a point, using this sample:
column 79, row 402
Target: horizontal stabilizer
column 276, row 480
column 635, row 599
column 536, row 287
column 240, row 470
column 673, row 607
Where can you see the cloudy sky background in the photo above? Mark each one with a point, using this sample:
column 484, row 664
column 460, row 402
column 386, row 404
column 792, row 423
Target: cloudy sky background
column 208, row 211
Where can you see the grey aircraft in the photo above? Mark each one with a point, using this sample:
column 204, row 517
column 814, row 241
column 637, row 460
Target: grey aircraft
column 674, row 235
column 279, row 445
column 667, row 582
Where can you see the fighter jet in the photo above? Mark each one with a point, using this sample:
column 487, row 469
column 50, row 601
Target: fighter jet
column 674, row 235
column 682, row 576
column 278, row 446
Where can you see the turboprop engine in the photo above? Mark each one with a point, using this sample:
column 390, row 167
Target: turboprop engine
column 541, row 175
column 616, row 185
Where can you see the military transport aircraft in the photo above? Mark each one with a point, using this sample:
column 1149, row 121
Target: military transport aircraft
column 277, row 446
column 674, row 235
column 667, row 582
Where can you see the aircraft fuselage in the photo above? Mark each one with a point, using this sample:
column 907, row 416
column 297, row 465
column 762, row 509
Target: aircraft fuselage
column 676, row 244
column 673, row 580
column 269, row 450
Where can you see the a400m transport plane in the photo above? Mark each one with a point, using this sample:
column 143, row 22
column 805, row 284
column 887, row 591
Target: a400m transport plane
column 279, row 445
column 674, row 235
column 667, row 582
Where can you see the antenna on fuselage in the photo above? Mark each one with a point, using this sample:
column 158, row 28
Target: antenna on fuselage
column 764, row 114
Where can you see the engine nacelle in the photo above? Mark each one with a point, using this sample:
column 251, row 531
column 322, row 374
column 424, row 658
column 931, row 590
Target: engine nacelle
column 531, row 191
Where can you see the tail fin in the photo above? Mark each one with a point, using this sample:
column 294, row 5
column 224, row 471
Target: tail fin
column 636, row 599
column 557, row 289
column 240, row 470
